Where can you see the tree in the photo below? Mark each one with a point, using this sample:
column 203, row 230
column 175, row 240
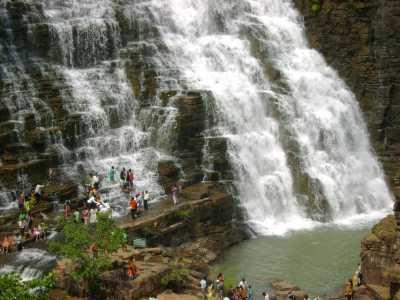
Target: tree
column 12, row 287
column 77, row 242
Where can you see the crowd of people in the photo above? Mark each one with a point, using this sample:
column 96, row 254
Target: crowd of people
column 215, row 290
column 26, row 228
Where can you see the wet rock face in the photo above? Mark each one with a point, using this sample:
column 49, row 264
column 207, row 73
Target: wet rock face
column 360, row 40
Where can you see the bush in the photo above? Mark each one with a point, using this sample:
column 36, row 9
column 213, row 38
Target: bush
column 12, row 287
column 75, row 241
column 175, row 277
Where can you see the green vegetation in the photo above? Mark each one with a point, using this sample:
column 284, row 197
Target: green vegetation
column 175, row 277
column 76, row 242
column 315, row 5
column 184, row 214
column 12, row 287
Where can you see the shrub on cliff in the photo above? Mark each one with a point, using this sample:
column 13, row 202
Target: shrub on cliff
column 89, row 247
column 175, row 277
column 12, row 287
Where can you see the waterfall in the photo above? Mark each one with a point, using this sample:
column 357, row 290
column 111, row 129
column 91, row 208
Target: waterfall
column 91, row 77
column 287, row 115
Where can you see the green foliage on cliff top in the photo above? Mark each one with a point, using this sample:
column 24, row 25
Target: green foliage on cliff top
column 12, row 287
column 386, row 229
column 75, row 241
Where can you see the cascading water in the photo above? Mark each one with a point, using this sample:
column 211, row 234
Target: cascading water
column 212, row 43
column 296, row 139
column 30, row 263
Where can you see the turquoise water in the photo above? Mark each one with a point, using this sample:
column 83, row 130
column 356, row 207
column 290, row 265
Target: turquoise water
column 318, row 261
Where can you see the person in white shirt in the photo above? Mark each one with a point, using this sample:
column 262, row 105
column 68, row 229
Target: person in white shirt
column 146, row 198
column 38, row 192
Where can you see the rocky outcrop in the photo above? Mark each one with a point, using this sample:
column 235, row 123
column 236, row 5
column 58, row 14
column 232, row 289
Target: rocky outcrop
column 360, row 40
column 189, row 236
column 204, row 210
column 380, row 260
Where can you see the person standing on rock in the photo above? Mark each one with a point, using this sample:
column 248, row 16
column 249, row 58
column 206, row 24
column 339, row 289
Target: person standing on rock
column 132, row 270
column 111, row 174
column 76, row 216
column 133, row 205
column 67, row 209
column 146, row 198
column 85, row 215
column 130, row 178
column 174, row 191
column 349, row 290
column 122, row 177
column 203, row 286
column 38, row 192
column 51, row 174
column 250, row 295
column 93, row 215
column 20, row 201
column 359, row 275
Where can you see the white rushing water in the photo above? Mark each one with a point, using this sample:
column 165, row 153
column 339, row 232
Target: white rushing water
column 209, row 41
column 30, row 263
column 99, row 98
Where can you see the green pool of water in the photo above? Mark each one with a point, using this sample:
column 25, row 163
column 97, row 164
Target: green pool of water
column 318, row 261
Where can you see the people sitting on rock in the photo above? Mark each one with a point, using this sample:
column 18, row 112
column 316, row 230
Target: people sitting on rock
column 132, row 270
column 6, row 244
column 92, row 200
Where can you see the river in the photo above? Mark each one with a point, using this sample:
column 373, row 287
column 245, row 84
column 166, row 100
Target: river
column 319, row 261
